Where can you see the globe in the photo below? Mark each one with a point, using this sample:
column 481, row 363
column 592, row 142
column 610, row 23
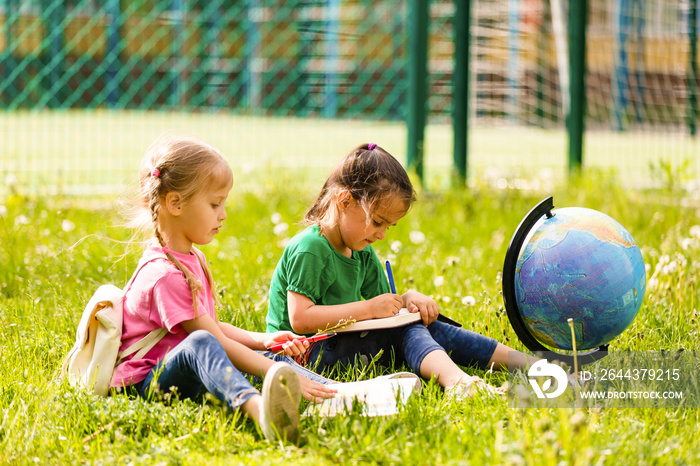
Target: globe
column 581, row 264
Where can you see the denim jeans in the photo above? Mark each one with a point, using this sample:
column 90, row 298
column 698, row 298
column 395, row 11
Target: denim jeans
column 199, row 363
column 408, row 344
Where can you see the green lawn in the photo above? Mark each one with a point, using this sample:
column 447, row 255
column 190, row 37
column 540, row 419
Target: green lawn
column 44, row 284
column 89, row 152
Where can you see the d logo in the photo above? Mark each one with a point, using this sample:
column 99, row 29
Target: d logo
column 544, row 369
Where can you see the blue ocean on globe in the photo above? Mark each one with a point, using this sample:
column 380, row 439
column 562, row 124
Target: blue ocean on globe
column 584, row 265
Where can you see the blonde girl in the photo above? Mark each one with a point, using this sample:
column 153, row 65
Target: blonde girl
column 184, row 184
column 330, row 272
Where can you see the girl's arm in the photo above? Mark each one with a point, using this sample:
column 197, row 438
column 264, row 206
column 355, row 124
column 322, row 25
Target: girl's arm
column 241, row 356
column 261, row 341
column 306, row 317
column 247, row 360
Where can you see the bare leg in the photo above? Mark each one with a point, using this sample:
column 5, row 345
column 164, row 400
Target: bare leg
column 437, row 363
column 253, row 407
column 508, row 358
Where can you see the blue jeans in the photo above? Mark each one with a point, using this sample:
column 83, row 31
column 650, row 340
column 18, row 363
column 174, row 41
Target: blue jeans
column 408, row 344
column 199, row 363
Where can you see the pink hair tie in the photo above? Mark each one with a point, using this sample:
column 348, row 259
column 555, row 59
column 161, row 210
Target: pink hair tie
column 371, row 146
column 155, row 172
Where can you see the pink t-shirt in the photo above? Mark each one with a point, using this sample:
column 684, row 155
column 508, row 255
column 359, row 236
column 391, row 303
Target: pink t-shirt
column 159, row 297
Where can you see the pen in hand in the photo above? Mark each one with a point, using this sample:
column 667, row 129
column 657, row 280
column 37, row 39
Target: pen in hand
column 315, row 338
column 391, row 277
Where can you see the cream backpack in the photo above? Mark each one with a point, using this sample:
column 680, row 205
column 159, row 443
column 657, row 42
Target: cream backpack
column 91, row 362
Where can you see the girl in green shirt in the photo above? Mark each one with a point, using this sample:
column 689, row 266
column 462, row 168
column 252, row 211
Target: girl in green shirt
column 329, row 272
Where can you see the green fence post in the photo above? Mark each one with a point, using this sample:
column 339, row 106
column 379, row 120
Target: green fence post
column 177, row 92
column 460, row 87
column 54, row 55
column 209, row 56
column 113, row 52
column 216, row 68
column 8, row 85
column 418, row 20
column 332, row 59
column 578, row 11
column 252, row 69
column 693, row 70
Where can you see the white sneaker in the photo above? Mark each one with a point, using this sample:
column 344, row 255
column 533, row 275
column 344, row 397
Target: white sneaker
column 281, row 394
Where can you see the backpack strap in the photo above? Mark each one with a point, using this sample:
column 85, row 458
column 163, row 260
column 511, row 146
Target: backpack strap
column 145, row 344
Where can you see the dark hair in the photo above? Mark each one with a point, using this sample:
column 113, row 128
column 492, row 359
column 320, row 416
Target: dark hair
column 369, row 176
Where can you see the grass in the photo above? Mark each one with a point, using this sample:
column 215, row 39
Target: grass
column 44, row 284
column 89, row 152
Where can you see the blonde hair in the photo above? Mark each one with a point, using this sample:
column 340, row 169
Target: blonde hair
column 369, row 174
column 187, row 166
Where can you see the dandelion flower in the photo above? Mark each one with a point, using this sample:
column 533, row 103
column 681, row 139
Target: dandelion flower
column 416, row 237
column 280, row 229
column 276, row 218
column 653, row 283
column 11, row 180
column 439, row 280
column 670, row 268
column 67, row 226
column 22, row 220
column 695, row 231
column 3, row 211
column 687, row 243
column 396, row 246
column 469, row 301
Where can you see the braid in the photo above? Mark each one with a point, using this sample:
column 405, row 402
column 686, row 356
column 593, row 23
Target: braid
column 194, row 284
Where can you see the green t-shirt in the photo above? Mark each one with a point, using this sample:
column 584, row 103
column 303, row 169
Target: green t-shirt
column 312, row 267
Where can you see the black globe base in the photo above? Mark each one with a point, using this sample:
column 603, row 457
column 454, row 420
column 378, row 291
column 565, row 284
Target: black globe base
column 544, row 208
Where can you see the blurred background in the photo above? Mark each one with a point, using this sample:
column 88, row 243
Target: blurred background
column 292, row 86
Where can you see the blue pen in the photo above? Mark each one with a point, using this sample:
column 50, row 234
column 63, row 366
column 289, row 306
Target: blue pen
column 391, row 277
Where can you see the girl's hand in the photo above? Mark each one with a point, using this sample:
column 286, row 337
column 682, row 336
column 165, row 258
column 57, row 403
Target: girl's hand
column 385, row 305
column 315, row 391
column 418, row 302
column 293, row 344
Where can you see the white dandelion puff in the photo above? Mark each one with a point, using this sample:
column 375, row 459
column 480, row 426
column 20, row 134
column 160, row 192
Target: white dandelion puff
column 276, row 218
column 695, row 231
column 469, row 300
column 670, row 268
column 687, row 243
column 11, row 180
column 396, row 246
column 416, row 237
column 67, row 226
column 280, row 229
column 439, row 280
column 653, row 283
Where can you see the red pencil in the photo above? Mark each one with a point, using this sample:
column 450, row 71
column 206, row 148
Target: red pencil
column 323, row 336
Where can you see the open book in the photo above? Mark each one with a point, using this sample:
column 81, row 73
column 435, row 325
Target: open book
column 380, row 396
column 404, row 317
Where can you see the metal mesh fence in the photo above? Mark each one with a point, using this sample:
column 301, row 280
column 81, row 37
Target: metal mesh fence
column 345, row 60
column 302, row 58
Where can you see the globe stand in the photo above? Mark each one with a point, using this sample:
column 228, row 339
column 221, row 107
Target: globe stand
column 544, row 208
